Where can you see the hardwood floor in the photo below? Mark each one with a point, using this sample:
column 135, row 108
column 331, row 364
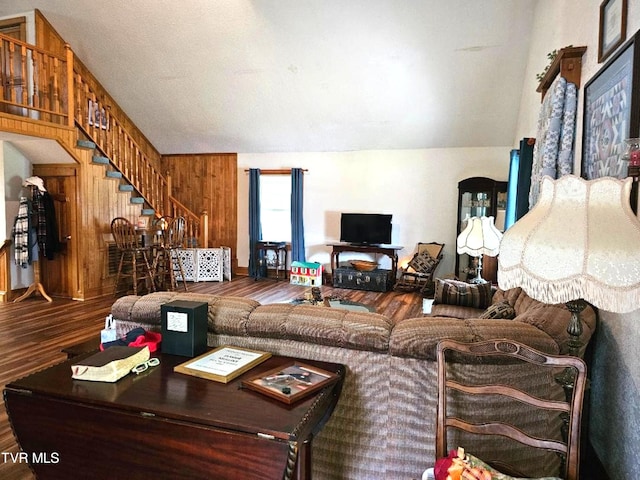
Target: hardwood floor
column 34, row 331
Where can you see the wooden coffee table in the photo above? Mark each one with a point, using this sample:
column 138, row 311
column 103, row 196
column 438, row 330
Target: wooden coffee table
column 162, row 424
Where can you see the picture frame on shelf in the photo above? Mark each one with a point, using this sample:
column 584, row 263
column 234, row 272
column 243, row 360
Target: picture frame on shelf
column 613, row 27
column 97, row 116
column 611, row 113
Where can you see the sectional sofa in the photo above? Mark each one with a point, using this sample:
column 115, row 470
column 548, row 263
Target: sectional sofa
column 383, row 425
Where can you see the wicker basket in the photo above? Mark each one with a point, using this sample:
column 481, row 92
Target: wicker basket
column 364, row 265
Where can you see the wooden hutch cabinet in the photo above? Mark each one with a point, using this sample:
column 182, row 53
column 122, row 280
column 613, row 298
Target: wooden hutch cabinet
column 477, row 197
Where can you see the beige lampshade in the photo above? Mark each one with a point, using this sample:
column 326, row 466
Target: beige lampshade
column 580, row 241
column 480, row 237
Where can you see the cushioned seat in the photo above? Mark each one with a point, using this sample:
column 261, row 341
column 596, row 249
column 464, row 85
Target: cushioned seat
column 419, row 272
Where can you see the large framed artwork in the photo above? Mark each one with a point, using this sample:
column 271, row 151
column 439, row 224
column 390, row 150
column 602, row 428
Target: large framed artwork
column 611, row 113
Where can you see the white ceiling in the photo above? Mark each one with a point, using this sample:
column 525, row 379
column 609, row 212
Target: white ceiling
column 304, row 75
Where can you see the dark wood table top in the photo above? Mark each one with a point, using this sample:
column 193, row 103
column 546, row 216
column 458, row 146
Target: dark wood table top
column 161, row 392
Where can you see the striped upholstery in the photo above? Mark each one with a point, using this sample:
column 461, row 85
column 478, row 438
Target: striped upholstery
column 383, row 427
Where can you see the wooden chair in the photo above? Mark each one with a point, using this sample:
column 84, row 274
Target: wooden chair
column 418, row 274
column 519, row 423
column 131, row 250
column 167, row 263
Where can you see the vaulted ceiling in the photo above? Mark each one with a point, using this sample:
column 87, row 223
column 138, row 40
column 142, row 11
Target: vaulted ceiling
column 304, row 75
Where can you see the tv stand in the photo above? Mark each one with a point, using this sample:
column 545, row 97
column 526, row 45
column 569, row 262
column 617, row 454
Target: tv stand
column 390, row 251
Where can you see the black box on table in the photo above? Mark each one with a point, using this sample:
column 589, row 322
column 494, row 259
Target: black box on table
column 374, row 281
column 184, row 328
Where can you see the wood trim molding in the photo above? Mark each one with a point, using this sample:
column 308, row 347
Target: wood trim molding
column 568, row 64
column 5, row 271
column 278, row 171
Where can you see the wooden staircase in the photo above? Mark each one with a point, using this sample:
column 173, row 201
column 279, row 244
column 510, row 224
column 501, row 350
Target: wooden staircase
column 63, row 91
column 113, row 174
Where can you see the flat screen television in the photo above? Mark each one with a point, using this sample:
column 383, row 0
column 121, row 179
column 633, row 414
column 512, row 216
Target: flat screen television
column 365, row 228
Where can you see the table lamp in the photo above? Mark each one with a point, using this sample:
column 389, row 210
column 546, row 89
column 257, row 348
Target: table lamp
column 579, row 243
column 480, row 237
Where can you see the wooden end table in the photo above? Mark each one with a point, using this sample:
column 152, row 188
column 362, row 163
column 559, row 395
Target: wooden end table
column 162, row 424
column 277, row 248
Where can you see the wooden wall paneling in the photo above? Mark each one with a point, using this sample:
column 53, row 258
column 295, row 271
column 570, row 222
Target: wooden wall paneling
column 102, row 202
column 5, row 271
column 46, row 36
column 208, row 182
column 36, row 128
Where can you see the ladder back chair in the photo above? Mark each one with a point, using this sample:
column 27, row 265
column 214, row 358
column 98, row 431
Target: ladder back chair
column 167, row 263
column 134, row 257
column 521, row 422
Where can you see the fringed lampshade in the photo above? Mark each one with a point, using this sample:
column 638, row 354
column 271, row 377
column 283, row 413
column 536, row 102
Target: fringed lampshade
column 480, row 237
column 580, row 242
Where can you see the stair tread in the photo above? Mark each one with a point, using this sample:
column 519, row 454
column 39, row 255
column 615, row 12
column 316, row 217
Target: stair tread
column 125, row 188
column 100, row 160
column 137, row 200
column 113, row 174
column 85, row 144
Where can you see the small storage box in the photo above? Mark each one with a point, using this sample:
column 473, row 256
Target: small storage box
column 184, row 328
column 374, row 281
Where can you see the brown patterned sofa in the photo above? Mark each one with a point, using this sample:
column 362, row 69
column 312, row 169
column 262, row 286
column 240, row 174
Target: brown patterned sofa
column 383, row 425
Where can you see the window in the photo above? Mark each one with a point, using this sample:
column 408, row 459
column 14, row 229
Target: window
column 275, row 207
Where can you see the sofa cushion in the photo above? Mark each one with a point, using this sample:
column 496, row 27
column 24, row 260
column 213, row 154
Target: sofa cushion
column 419, row 337
column 222, row 310
column 454, row 311
column 499, row 310
column 454, row 292
column 321, row 325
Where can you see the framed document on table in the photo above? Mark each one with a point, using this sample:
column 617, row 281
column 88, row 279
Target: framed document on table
column 222, row 364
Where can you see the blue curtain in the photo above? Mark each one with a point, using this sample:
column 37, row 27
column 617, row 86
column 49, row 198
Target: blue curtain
column 255, row 229
column 297, row 224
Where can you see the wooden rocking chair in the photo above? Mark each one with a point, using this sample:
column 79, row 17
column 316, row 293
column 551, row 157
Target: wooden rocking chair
column 418, row 274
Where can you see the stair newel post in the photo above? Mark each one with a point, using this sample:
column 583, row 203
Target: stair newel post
column 167, row 196
column 70, row 90
column 204, row 229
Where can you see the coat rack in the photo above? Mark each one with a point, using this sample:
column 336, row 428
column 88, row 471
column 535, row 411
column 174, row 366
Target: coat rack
column 36, row 286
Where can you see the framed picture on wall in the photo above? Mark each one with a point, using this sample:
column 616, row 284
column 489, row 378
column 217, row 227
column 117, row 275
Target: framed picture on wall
column 613, row 27
column 97, row 116
column 611, row 113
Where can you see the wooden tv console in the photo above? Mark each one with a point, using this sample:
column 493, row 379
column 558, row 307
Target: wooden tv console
column 390, row 251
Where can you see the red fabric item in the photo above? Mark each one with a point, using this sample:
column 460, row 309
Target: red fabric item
column 150, row 339
column 441, row 468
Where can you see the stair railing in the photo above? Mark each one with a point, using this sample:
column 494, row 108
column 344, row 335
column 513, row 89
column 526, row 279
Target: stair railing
column 35, row 83
column 44, row 86
column 95, row 118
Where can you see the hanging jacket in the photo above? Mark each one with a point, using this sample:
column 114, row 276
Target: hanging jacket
column 47, row 228
column 21, row 238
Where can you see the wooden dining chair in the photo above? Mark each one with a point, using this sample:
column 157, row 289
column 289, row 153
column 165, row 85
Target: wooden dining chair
column 504, row 403
column 135, row 261
column 167, row 263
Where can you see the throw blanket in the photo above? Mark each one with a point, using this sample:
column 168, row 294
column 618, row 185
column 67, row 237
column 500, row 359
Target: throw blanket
column 21, row 237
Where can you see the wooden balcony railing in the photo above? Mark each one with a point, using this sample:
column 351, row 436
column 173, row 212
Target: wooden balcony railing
column 35, row 83
column 47, row 87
